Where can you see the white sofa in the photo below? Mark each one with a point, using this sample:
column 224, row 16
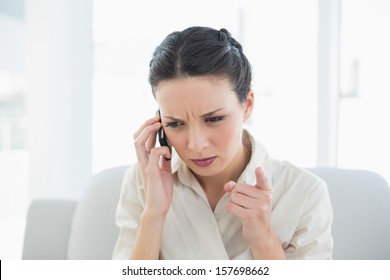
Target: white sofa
column 85, row 229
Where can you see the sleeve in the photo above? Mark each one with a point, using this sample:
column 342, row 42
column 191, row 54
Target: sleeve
column 128, row 212
column 312, row 238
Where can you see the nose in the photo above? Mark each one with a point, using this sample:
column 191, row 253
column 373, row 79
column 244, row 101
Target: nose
column 197, row 140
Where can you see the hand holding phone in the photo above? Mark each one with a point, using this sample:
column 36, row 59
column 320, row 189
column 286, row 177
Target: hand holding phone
column 163, row 139
column 156, row 172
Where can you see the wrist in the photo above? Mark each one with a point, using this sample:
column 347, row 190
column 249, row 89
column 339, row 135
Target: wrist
column 152, row 217
column 268, row 247
column 264, row 240
column 148, row 240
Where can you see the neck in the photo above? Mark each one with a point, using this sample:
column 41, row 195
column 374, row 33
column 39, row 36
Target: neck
column 213, row 186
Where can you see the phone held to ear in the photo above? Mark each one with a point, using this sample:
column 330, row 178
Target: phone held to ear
column 163, row 139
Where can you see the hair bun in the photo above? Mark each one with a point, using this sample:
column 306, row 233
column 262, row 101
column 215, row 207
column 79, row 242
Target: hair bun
column 224, row 35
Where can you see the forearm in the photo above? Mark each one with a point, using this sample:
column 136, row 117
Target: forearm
column 268, row 248
column 148, row 241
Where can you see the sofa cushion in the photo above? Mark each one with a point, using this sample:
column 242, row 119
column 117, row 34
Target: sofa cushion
column 93, row 232
column 47, row 229
column 361, row 207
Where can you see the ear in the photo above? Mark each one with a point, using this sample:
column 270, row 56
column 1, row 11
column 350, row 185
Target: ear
column 248, row 105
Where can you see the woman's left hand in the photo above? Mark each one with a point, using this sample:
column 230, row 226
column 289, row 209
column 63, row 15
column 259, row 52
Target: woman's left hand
column 252, row 204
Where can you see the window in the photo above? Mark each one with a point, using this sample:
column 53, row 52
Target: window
column 14, row 156
column 280, row 38
column 364, row 133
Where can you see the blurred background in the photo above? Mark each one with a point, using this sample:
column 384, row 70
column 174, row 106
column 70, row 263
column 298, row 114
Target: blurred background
column 73, row 86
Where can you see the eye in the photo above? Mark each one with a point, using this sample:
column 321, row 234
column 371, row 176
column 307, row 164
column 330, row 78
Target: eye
column 174, row 124
column 215, row 119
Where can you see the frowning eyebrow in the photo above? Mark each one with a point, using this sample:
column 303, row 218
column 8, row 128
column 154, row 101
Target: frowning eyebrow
column 211, row 113
column 202, row 116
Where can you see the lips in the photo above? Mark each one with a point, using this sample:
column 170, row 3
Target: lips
column 204, row 162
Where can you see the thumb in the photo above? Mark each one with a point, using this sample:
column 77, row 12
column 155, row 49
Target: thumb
column 229, row 186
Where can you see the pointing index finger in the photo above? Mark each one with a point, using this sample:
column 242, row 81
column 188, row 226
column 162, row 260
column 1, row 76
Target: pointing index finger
column 261, row 180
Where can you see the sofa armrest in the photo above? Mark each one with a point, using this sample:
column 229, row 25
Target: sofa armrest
column 47, row 229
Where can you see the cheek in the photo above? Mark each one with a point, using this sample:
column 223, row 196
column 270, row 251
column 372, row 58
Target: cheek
column 227, row 136
column 177, row 140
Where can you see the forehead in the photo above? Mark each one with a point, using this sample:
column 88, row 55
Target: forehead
column 195, row 90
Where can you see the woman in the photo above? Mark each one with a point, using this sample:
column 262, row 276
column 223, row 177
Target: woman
column 221, row 196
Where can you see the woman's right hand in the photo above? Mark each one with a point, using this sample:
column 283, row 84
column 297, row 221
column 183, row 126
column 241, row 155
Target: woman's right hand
column 155, row 169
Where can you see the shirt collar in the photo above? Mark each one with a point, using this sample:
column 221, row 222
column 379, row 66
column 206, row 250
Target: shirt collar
column 259, row 157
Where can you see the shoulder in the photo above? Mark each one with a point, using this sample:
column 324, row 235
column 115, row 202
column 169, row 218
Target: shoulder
column 298, row 182
column 282, row 175
column 289, row 172
column 132, row 173
column 132, row 182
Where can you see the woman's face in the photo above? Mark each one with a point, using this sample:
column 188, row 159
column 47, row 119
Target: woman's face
column 202, row 118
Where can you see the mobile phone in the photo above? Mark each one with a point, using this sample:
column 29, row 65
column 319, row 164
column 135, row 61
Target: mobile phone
column 162, row 138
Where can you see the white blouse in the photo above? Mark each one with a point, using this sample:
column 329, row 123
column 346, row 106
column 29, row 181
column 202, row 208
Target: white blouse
column 301, row 214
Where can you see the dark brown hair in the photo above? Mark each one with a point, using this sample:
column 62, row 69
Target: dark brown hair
column 201, row 51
